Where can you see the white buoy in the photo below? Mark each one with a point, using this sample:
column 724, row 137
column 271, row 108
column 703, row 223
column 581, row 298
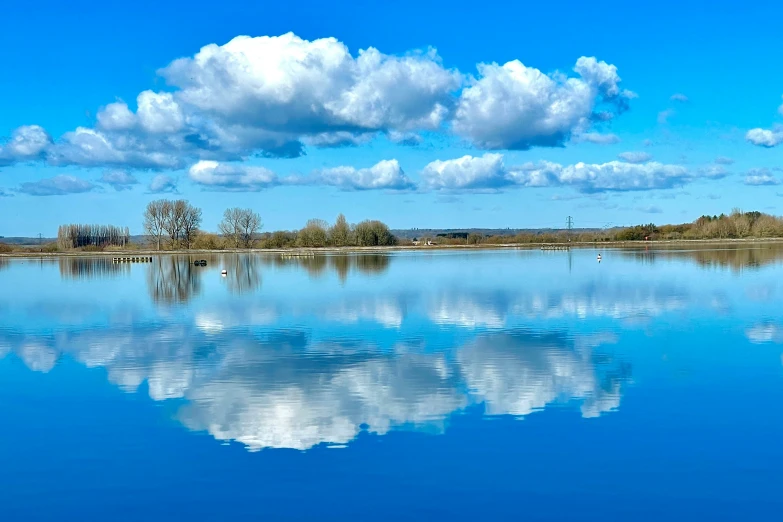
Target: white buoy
column 599, row 258
column 224, row 273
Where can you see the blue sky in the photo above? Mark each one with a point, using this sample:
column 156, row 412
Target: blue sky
column 420, row 114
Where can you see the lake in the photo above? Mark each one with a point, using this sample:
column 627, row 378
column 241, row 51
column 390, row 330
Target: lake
column 436, row 385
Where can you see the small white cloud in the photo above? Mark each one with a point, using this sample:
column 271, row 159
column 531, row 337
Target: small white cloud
column 116, row 117
column 488, row 173
column 234, row 178
column 679, row 97
column 760, row 177
column 468, row 173
column 384, row 175
column 119, row 179
column 162, row 183
column 723, row 160
column 597, row 138
column 57, row 186
column 28, row 142
column 635, row 157
column 765, row 137
column 650, row 209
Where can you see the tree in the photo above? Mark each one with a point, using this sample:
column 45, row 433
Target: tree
column 314, row 234
column 179, row 220
column 240, row 226
column 191, row 219
column 374, row 233
column 340, row 233
column 154, row 219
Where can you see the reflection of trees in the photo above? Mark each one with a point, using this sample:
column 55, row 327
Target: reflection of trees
column 342, row 264
column 369, row 264
column 244, row 273
column 91, row 268
column 282, row 390
column 734, row 257
column 173, row 279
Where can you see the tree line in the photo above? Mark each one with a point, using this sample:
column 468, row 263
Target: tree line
column 176, row 225
column 79, row 236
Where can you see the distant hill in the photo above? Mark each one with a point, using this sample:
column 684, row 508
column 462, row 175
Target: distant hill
column 412, row 233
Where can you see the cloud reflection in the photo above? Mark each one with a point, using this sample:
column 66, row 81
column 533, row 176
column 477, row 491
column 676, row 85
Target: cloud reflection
column 281, row 390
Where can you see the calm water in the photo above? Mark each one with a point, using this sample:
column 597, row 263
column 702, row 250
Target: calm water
column 512, row 385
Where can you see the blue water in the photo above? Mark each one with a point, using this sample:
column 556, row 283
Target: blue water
column 508, row 385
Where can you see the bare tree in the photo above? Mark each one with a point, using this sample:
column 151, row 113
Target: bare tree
column 154, row 219
column 240, row 226
column 191, row 219
column 314, row 234
column 75, row 236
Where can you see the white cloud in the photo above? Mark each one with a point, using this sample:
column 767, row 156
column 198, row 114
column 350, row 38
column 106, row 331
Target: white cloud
column 162, row 183
column 468, row 173
column 650, row 209
column 635, row 157
column 119, row 179
column 723, row 160
column 93, row 148
column 159, row 113
column 517, row 107
column 217, row 176
column 758, row 177
column 765, row 137
column 489, row 173
column 289, row 84
column 273, row 96
column 597, row 138
column 679, row 97
column 28, row 142
column 57, row 186
column 116, row 117
column 385, row 174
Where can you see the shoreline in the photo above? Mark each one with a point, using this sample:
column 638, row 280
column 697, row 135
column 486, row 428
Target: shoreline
column 406, row 248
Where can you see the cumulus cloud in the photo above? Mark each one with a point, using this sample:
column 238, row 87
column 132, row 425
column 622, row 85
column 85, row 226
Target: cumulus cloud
column 513, row 106
column 489, row 173
column 723, row 160
column 235, row 178
column 57, row 186
column 385, row 174
column 635, row 157
column 759, row 177
column 26, row 143
column 119, row 179
column 765, row 137
column 161, row 184
column 272, row 96
column 288, row 83
column 679, row 97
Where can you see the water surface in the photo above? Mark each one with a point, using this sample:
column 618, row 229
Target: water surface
column 486, row 385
